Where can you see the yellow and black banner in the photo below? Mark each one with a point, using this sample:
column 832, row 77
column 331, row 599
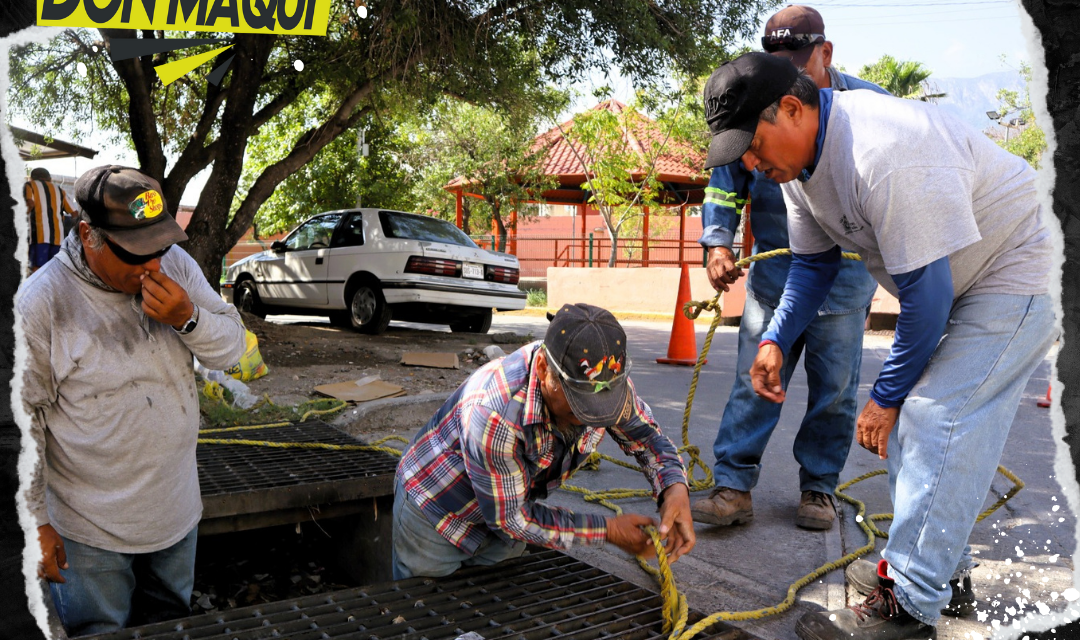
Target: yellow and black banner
column 285, row 17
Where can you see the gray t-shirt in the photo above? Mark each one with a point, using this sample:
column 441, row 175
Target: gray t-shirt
column 904, row 183
column 112, row 402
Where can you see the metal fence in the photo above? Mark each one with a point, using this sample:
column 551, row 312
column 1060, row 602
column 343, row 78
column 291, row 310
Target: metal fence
column 537, row 253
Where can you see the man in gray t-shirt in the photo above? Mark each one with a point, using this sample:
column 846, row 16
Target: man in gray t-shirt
column 950, row 224
column 110, row 327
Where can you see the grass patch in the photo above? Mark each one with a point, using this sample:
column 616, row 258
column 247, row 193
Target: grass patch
column 536, row 298
column 217, row 413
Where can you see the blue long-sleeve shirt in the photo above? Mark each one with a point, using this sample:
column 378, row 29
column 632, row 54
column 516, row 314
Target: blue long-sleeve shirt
column 732, row 187
column 925, row 296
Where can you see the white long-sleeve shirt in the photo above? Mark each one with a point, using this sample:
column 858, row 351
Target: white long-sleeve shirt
column 112, row 401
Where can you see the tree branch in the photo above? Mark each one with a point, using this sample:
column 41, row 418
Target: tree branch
column 142, row 120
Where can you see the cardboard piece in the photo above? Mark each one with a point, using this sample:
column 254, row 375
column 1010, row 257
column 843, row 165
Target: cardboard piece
column 353, row 392
column 436, row 360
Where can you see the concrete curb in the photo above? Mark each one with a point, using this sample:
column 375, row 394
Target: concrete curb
column 406, row 413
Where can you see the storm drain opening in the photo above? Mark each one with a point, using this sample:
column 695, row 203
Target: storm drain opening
column 543, row 594
column 344, row 498
column 243, row 481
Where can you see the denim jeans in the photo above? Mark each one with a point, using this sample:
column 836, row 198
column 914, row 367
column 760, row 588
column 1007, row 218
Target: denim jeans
column 420, row 550
column 946, row 445
column 106, row 590
column 833, row 354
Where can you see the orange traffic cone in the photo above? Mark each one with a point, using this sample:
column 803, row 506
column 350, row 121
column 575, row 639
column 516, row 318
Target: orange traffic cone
column 1045, row 403
column 682, row 348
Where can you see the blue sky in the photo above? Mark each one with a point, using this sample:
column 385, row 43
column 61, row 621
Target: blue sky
column 952, row 38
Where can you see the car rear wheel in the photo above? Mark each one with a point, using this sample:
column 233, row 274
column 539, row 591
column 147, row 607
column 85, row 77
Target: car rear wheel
column 368, row 310
column 477, row 323
column 247, row 299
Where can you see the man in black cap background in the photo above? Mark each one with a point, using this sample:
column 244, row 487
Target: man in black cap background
column 469, row 486
column 111, row 325
column 833, row 352
column 950, row 224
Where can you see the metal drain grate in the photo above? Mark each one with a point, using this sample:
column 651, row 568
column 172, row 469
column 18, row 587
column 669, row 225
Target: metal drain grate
column 244, row 479
column 544, row 594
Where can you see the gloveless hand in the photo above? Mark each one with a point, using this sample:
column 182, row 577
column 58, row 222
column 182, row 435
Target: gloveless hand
column 721, row 268
column 676, row 523
column 627, row 533
column 873, row 427
column 765, row 373
column 53, row 556
column 164, row 300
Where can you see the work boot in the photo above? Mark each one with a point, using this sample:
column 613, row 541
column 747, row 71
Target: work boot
column 862, row 574
column 724, row 506
column 879, row 617
column 816, row 511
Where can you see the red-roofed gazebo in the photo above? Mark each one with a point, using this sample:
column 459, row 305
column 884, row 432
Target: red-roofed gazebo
column 678, row 169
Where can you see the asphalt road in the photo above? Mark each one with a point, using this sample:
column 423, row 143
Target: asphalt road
column 1025, row 549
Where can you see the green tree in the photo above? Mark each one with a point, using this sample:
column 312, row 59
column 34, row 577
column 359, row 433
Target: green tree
column 420, row 48
column 338, row 177
column 619, row 147
column 490, row 150
column 901, row 78
column 1030, row 141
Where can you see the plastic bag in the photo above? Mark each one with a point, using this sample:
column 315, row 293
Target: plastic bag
column 242, row 396
column 251, row 365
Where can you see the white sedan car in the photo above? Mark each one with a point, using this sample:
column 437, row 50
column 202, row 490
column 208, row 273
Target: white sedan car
column 363, row 267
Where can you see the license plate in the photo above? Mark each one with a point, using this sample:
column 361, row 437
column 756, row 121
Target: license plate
column 474, row 271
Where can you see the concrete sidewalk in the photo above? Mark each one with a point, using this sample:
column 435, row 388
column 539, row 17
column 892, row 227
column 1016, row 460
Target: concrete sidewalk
column 1025, row 549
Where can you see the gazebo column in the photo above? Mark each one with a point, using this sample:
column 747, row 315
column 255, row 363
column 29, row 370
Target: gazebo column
column 459, row 208
column 582, row 208
column 645, row 239
column 682, row 231
column 513, row 232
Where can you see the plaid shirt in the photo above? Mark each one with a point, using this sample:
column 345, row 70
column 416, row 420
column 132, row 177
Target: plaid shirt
column 491, row 451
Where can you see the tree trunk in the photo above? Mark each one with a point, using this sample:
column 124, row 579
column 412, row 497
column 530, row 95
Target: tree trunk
column 466, row 216
column 613, row 235
column 502, row 233
column 209, row 239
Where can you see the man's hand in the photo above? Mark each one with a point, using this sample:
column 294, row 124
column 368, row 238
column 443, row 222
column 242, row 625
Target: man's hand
column 765, row 373
column 721, row 268
column 53, row 557
column 626, row 533
column 874, row 426
column 676, row 525
column 164, row 300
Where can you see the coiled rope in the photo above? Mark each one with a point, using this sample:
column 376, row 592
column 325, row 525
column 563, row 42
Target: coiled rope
column 675, row 606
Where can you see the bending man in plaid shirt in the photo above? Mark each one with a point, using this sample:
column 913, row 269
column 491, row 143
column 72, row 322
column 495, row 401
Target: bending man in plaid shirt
column 468, row 486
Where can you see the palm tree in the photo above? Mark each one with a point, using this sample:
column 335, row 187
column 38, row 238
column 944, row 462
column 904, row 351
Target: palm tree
column 900, row 78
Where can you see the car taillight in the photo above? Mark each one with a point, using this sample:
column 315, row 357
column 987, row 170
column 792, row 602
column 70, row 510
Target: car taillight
column 504, row 275
column 433, row 266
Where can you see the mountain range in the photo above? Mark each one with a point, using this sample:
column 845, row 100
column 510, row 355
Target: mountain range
column 971, row 98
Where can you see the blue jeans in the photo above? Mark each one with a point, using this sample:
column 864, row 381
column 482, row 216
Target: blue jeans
column 420, row 550
column 948, row 441
column 833, row 354
column 106, row 591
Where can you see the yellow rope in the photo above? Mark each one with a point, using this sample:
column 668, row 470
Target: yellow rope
column 675, row 606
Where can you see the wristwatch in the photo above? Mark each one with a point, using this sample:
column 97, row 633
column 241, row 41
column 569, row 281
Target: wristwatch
column 192, row 322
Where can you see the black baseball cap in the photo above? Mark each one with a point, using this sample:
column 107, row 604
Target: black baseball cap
column 127, row 206
column 735, row 95
column 586, row 346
